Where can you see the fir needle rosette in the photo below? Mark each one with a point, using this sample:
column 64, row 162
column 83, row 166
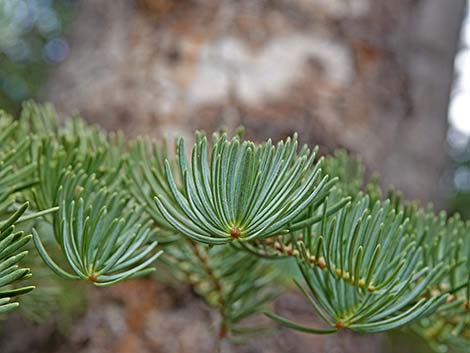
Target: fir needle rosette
column 239, row 190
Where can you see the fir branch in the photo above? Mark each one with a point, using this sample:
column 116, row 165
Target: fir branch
column 103, row 239
column 368, row 265
column 244, row 192
column 236, row 284
column 364, row 272
column 11, row 244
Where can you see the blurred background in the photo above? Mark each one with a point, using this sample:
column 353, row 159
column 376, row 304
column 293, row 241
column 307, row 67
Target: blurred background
column 389, row 80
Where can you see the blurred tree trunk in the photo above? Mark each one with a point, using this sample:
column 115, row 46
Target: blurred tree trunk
column 372, row 76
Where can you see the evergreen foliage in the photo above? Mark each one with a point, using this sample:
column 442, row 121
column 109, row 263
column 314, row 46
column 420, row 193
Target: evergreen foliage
column 13, row 179
column 218, row 219
column 245, row 192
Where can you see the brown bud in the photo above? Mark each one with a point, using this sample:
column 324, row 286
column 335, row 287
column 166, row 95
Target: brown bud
column 92, row 277
column 339, row 325
column 235, row 233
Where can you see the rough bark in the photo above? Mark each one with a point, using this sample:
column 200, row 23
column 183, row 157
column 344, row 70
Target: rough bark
column 371, row 76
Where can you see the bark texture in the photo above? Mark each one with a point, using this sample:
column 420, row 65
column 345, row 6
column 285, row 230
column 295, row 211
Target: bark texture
column 371, row 76
column 367, row 75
